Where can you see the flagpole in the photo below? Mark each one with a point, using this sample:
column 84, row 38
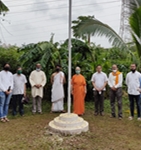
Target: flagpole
column 69, row 59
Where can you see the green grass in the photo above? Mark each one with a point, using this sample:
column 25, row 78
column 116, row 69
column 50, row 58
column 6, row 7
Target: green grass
column 31, row 132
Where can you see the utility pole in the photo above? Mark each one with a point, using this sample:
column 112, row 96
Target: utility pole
column 124, row 21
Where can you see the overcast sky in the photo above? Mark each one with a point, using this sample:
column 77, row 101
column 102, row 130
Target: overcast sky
column 32, row 21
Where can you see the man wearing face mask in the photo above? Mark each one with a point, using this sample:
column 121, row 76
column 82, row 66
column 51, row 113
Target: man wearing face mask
column 37, row 80
column 115, row 84
column 78, row 90
column 6, row 86
column 99, row 81
column 18, row 92
column 133, row 84
column 57, row 92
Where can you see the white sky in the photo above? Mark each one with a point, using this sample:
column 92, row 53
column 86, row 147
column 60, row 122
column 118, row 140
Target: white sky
column 32, row 21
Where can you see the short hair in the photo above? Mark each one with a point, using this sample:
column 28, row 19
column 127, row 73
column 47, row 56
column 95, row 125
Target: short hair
column 114, row 65
column 134, row 64
column 98, row 66
column 58, row 65
column 5, row 64
column 19, row 67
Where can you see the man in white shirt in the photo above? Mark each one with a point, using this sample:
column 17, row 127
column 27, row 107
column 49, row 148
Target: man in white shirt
column 99, row 81
column 37, row 80
column 19, row 91
column 133, row 84
column 6, row 86
column 115, row 84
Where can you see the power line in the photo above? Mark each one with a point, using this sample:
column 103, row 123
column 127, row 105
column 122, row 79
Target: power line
column 60, row 29
column 38, row 19
column 33, row 3
column 28, row 11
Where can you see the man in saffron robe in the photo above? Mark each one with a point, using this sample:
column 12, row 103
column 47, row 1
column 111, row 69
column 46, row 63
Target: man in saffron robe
column 115, row 84
column 79, row 92
column 57, row 97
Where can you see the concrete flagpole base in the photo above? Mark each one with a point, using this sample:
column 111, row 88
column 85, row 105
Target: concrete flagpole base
column 68, row 124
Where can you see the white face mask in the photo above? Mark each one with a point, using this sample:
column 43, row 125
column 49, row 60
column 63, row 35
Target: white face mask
column 38, row 69
column 114, row 70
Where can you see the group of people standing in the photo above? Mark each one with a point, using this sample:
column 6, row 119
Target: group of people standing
column 15, row 86
column 115, row 81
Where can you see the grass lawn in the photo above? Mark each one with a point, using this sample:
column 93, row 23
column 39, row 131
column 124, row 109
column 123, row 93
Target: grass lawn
column 31, row 132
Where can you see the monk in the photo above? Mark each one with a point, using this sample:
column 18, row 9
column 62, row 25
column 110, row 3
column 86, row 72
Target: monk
column 78, row 90
column 57, row 96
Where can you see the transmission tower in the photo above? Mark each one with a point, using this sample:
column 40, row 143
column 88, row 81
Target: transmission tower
column 124, row 21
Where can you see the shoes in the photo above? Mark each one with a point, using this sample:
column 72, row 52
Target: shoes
column 113, row 116
column 33, row 113
column 40, row 113
column 130, row 118
column 3, row 120
column 95, row 113
column 6, row 119
column 101, row 113
column 139, row 119
column 120, row 118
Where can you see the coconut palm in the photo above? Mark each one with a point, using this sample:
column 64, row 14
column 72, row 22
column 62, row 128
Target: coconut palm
column 95, row 27
column 76, row 25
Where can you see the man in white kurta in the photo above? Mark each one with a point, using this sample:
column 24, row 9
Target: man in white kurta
column 57, row 97
column 37, row 80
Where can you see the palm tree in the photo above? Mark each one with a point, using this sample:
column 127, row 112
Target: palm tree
column 80, row 20
column 95, row 27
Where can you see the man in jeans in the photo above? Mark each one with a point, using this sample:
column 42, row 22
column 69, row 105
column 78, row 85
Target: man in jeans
column 99, row 81
column 133, row 84
column 19, row 91
column 6, row 86
column 115, row 84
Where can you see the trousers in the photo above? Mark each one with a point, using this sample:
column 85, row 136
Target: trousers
column 99, row 101
column 113, row 96
column 17, row 101
column 36, row 105
column 4, row 104
column 131, row 99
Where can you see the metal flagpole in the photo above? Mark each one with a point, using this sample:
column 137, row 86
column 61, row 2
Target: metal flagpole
column 69, row 59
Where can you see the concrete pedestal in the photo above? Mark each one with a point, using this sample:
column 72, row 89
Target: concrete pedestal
column 68, row 124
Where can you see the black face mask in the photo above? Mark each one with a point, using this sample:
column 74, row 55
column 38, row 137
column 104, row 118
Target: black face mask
column 133, row 70
column 6, row 68
column 57, row 69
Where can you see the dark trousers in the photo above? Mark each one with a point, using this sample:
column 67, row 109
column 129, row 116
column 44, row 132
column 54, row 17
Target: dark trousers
column 17, row 101
column 131, row 99
column 99, row 101
column 113, row 95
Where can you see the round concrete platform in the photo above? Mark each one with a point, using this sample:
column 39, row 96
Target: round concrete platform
column 69, row 123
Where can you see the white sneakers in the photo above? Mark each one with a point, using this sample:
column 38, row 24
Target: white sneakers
column 131, row 118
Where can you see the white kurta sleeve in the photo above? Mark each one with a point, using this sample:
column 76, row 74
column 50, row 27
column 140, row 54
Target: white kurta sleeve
column 31, row 79
column 109, row 81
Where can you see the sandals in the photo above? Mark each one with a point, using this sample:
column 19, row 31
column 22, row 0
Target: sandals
column 6, row 119
column 3, row 120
